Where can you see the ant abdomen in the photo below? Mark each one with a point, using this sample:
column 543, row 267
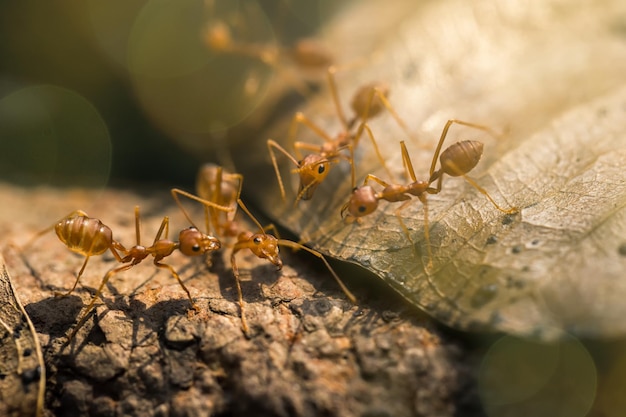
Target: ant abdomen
column 365, row 103
column 308, row 53
column 209, row 178
column 461, row 157
column 84, row 235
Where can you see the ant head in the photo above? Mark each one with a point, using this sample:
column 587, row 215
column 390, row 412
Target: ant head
column 366, row 102
column 193, row 242
column 313, row 169
column 265, row 246
column 363, row 201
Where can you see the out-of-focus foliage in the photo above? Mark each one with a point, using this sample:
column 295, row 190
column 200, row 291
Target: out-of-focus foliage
column 161, row 99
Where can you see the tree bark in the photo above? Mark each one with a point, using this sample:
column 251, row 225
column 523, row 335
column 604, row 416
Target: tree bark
column 144, row 352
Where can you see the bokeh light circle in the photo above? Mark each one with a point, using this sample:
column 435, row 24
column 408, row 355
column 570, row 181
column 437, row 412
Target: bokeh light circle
column 52, row 135
column 525, row 378
column 183, row 86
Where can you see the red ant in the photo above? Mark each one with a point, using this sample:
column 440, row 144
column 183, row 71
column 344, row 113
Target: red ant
column 306, row 54
column 313, row 168
column 456, row 160
column 261, row 244
column 222, row 188
column 89, row 236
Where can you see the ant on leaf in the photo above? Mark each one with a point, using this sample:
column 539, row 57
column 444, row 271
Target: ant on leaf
column 456, row 161
column 369, row 101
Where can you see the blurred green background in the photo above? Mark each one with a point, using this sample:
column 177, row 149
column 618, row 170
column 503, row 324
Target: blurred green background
column 95, row 93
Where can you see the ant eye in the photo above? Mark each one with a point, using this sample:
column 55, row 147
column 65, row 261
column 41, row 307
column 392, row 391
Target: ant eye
column 362, row 209
column 321, row 169
column 195, row 248
column 257, row 240
column 192, row 228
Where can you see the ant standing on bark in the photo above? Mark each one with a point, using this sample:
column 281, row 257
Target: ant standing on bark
column 262, row 244
column 88, row 236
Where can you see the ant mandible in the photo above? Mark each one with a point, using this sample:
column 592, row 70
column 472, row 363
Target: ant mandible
column 262, row 244
column 457, row 160
column 368, row 101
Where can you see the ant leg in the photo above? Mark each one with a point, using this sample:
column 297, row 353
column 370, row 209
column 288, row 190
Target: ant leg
column 115, row 247
column 406, row 161
column 334, row 91
column 351, row 162
column 444, row 133
column 176, row 192
column 137, row 225
column 376, row 179
column 80, row 273
column 239, row 178
column 212, row 192
column 91, row 304
column 245, row 209
column 298, row 246
column 300, row 119
column 382, row 161
column 271, row 145
column 484, row 128
column 244, row 324
column 473, row 183
column 379, row 94
column 180, row 281
column 298, row 146
column 271, row 228
column 429, row 266
column 165, row 224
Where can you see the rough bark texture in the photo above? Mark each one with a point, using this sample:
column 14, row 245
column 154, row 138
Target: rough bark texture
column 145, row 353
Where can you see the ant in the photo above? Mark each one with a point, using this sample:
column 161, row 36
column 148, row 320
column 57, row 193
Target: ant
column 88, row 236
column 313, row 168
column 307, row 54
column 219, row 187
column 457, row 160
column 263, row 245
column 84, row 235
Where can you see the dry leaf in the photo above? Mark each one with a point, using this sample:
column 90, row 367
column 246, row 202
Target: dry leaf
column 550, row 74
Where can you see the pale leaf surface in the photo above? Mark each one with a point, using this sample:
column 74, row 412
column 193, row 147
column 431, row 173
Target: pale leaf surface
column 548, row 74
